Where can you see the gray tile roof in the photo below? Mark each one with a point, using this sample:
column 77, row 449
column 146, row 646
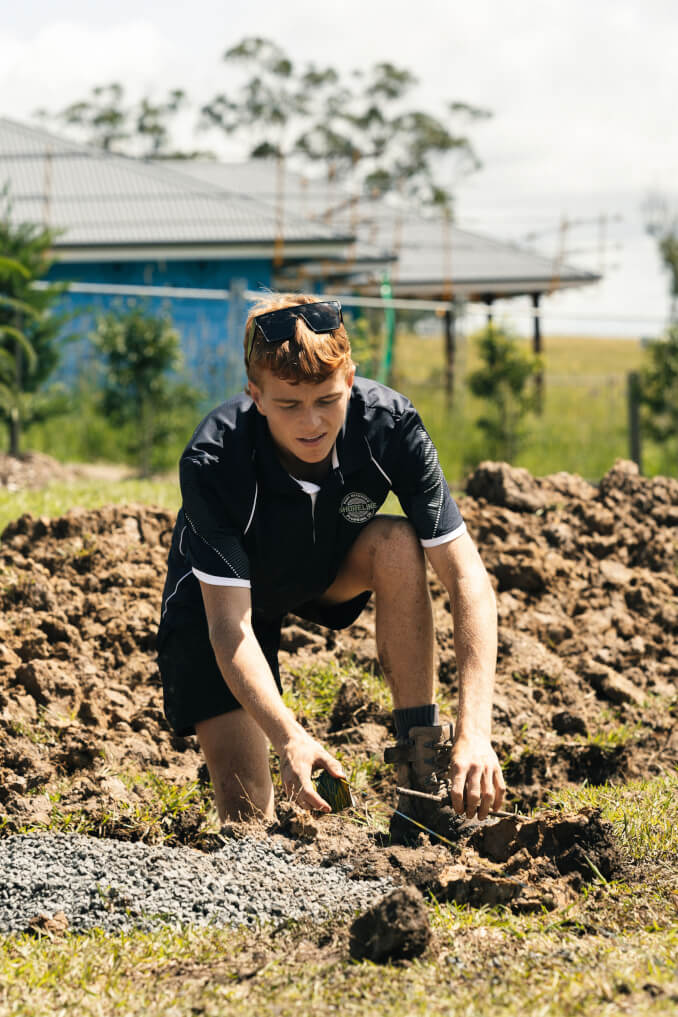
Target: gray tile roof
column 431, row 256
column 101, row 200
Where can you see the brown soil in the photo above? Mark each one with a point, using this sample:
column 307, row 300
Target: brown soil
column 587, row 592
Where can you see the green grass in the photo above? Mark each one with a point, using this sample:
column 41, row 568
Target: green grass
column 583, row 428
column 644, row 813
column 584, row 425
column 58, row 498
column 314, row 689
column 613, row 951
column 154, row 815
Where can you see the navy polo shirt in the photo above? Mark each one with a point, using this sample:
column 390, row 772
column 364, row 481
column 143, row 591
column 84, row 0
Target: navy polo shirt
column 246, row 522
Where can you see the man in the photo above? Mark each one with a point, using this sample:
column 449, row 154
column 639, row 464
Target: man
column 280, row 492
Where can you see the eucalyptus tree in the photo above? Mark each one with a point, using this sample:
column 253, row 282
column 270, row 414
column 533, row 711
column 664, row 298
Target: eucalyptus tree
column 107, row 120
column 263, row 110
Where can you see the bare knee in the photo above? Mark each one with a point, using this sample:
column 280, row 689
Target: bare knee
column 396, row 552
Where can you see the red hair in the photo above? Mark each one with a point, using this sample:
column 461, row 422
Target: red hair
column 309, row 357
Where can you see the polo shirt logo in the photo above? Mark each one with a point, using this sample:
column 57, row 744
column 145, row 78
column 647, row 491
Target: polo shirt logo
column 357, row 507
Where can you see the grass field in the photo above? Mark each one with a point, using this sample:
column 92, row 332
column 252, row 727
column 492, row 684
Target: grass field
column 59, row 497
column 583, row 428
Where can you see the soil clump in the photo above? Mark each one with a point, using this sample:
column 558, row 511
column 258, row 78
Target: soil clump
column 395, row 928
column 587, row 594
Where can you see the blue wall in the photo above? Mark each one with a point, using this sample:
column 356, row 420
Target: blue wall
column 211, row 330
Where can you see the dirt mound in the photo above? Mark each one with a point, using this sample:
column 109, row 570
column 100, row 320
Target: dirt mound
column 35, row 470
column 79, row 688
column 587, row 594
column 528, row 865
column 31, row 470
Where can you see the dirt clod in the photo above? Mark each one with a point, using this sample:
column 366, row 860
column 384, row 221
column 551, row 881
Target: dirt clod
column 396, row 928
column 48, row 925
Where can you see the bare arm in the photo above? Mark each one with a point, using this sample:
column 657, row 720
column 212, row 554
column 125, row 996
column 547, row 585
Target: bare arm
column 477, row 782
column 247, row 674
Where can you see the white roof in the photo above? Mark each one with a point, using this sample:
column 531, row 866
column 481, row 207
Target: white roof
column 99, row 200
column 434, row 258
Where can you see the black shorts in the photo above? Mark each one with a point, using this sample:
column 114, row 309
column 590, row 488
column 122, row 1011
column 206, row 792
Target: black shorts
column 193, row 686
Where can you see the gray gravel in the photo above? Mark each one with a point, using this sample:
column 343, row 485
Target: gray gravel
column 116, row 885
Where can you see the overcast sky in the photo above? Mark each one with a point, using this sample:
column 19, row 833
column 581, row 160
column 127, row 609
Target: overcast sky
column 583, row 94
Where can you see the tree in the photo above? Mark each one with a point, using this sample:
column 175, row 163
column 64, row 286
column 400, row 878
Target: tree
column 659, row 392
column 30, row 330
column 661, row 222
column 658, row 388
column 141, row 390
column 262, row 110
column 106, row 120
column 503, row 380
column 356, row 125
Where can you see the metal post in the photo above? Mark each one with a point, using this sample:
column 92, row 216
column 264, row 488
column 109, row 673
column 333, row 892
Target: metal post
column 537, row 349
column 450, row 353
column 633, row 391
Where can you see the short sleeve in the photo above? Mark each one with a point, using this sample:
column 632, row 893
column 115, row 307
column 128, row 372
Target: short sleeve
column 420, row 485
column 213, row 542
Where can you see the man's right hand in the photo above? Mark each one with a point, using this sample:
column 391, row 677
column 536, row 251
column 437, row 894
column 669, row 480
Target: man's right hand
column 300, row 755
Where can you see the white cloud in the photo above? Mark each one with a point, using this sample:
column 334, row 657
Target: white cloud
column 64, row 60
column 583, row 92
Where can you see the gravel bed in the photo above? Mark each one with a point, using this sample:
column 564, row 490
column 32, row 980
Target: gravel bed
column 115, row 885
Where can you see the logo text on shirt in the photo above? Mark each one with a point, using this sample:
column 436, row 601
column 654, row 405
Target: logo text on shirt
column 357, row 507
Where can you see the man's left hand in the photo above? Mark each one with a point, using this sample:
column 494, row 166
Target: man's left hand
column 477, row 784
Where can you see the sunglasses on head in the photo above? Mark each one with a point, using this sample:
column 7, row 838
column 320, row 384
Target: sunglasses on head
column 277, row 326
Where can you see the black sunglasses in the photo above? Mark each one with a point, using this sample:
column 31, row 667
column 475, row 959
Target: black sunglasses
column 277, row 326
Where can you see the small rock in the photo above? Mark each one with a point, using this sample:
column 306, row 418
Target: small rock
column 396, row 928
column 614, row 573
column 38, row 810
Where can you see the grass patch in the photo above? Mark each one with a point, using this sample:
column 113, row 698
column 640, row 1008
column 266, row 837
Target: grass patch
column 644, row 813
column 584, row 426
column 159, row 812
column 314, row 689
column 480, row 964
column 58, row 498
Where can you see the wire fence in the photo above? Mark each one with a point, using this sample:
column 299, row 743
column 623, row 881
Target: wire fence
column 583, row 426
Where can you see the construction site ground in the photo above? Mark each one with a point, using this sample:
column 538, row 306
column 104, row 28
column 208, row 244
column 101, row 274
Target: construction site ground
column 586, row 580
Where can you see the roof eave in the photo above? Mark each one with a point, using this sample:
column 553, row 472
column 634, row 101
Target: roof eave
column 482, row 289
column 264, row 250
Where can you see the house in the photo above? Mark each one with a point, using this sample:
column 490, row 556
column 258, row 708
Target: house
column 427, row 257
column 124, row 225
column 200, row 237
